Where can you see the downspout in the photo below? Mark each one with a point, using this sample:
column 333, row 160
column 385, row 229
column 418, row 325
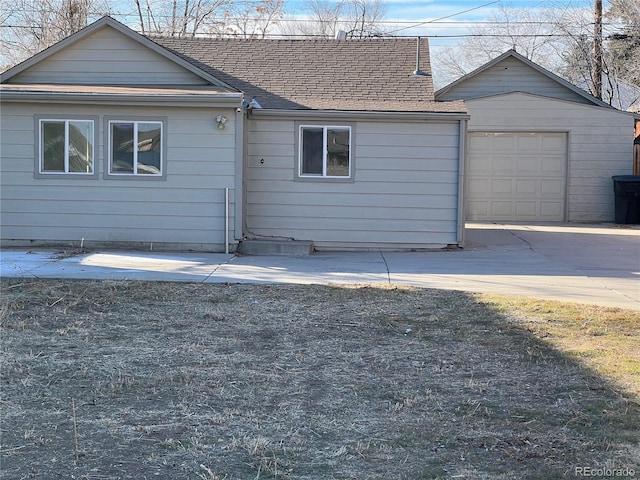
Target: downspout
column 226, row 220
column 462, row 162
column 239, row 193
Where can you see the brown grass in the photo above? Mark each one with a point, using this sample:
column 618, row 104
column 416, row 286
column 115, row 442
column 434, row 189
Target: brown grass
column 606, row 340
column 188, row 381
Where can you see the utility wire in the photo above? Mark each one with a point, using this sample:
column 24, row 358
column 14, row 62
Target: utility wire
column 448, row 16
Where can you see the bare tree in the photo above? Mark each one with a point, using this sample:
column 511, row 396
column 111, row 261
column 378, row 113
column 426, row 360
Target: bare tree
column 178, row 17
column 249, row 20
column 319, row 18
column 365, row 17
column 357, row 18
column 621, row 56
column 624, row 45
column 33, row 25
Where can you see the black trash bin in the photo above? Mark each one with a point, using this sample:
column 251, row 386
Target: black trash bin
column 627, row 198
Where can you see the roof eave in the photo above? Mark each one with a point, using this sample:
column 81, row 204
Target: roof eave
column 368, row 114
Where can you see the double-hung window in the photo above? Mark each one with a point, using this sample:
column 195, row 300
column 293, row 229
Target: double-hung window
column 325, row 151
column 66, row 146
column 136, row 147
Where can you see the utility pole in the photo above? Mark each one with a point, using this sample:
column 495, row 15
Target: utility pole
column 597, row 50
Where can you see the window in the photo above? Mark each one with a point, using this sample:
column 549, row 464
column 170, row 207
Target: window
column 66, row 146
column 325, row 151
column 135, row 148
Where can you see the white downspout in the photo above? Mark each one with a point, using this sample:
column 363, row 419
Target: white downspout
column 461, row 181
column 226, row 220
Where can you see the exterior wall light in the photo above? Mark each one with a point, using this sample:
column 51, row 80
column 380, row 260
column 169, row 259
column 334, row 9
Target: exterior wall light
column 221, row 120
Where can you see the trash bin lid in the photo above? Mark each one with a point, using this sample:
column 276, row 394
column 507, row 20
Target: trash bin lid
column 626, row 178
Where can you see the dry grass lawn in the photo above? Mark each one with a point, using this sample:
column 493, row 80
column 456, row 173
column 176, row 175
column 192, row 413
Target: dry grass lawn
column 136, row 380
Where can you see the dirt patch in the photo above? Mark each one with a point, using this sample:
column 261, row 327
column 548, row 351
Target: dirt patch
column 137, row 380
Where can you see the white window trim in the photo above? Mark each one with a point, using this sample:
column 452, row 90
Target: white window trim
column 135, row 152
column 324, row 152
column 66, row 121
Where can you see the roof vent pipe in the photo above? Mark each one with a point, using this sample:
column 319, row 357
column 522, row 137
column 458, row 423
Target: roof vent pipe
column 341, row 35
column 417, row 71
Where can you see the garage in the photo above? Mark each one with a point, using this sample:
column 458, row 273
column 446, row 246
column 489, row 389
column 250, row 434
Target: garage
column 539, row 149
column 517, row 176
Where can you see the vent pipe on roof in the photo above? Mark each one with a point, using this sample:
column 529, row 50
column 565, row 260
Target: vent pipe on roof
column 341, row 35
column 417, row 71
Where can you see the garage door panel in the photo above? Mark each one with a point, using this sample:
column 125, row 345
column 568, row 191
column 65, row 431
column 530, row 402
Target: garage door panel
column 528, row 143
column 479, row 187
column 550, row 210
column 501, row 210
column 527, row 209
column 502, row 165
column 527, row 187
column 527, row 165
column 553, row 187
column 504, row 143
column 553, row 165
column 517, row 176
column 554, row 143
column 501, row 187
column 481, row 165
column 479, row 208
column 480, row 143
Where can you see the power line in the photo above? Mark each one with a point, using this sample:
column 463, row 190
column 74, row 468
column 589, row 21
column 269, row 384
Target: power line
column 450, row 25
column 448, row 16
column 459, row 35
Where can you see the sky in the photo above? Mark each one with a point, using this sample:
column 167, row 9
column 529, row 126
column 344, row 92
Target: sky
column 446, row 21
column 452, row 15
column 443, row 21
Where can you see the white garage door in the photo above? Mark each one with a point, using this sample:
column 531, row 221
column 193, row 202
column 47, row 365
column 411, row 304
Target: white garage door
column 517, row 176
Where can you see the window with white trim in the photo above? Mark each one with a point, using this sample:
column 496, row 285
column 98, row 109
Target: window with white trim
column 325, row 151
column 136, row 147
column 66, row 146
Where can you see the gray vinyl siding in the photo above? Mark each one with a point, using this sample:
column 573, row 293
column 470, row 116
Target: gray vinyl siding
column 510, row 75
column 405, row 193
column 185, row 210
column 600, row 144
column 107, row 58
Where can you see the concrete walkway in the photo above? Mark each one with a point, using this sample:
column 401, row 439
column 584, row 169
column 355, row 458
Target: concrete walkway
column 591, row 264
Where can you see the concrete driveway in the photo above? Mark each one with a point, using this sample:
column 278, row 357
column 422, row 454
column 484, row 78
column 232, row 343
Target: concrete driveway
column 592, row 264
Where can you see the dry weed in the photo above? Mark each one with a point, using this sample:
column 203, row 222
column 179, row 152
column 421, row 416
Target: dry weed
column 138, row 380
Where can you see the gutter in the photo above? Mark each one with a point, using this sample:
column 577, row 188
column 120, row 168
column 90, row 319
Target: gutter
column 200, row 100
column 360, row 115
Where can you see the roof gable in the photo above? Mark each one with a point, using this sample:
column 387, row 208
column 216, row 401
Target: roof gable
column 324, row 74
column 512, row 72
column 107, row 53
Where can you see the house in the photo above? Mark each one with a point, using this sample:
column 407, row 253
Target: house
column 112, row 138
column 540, row 149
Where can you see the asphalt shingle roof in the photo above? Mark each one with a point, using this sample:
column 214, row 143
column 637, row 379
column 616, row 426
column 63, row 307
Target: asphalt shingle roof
column 322, row 74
